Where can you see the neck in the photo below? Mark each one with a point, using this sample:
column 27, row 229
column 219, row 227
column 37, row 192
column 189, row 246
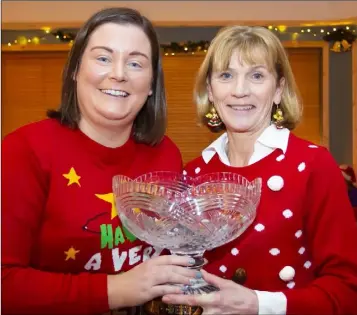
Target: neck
column 241, row 146
column 111, row 138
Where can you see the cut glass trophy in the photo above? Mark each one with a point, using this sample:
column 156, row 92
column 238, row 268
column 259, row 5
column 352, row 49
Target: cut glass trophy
column 187, row 215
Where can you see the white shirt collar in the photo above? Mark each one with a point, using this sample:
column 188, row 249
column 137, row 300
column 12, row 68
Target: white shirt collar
column 272, row 138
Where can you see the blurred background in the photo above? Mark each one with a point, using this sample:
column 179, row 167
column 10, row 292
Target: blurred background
column 318, row 36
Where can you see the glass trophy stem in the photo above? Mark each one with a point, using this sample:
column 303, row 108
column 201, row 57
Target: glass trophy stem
column 200, row 286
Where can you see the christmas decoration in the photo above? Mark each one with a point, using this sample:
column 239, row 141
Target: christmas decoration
column 342, row 39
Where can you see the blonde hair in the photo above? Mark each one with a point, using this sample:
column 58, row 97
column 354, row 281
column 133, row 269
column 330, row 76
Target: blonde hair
column 256, row 45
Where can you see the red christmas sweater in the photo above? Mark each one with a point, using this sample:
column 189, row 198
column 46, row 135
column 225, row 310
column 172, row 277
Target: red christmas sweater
column 60, row 232
column 304, row 221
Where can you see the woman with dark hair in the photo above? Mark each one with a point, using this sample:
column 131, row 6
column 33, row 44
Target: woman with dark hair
column 64, row 250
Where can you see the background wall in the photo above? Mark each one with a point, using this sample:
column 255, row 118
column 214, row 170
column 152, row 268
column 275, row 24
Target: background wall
column 21, row 16
column 72, row 13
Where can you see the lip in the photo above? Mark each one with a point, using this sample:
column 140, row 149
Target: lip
column 119, row 91
column 241, row 107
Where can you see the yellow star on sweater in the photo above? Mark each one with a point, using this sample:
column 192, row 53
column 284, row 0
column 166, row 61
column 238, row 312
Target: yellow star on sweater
column 71, row 253
column 109, row 198
column 72, row 177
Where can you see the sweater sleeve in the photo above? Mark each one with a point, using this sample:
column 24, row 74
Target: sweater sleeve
column 331, row 233
column 26, row 290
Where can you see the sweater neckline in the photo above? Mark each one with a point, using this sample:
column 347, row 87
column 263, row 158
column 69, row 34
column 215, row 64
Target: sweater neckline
column 265, row 162
column 105, row 154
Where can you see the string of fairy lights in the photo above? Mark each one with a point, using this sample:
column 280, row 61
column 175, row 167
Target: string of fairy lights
column 341, row 37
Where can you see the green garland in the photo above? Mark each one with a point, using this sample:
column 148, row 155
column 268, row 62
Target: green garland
column 343, row 36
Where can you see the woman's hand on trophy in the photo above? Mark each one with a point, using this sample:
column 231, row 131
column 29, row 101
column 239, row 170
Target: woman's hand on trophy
column 231, row 299
column 151, row 279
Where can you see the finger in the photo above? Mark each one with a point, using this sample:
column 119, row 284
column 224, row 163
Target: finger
column 165, row 289
column 180, row 299
column 175, row 278
column 173, row 260
column 213, row 280
column 203, row 300
column 184, row 271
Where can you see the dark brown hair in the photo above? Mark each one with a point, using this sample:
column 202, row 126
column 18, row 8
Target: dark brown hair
column 150, row 124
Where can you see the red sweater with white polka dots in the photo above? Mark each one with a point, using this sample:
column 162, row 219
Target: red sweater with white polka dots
column 304, row 222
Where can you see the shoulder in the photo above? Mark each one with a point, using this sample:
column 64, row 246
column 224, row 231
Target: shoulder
column 194, row 166
column 36, row 138
column 168, row 145
column 164, row 155
column 301, row 148
column 39, row 131
column 165, row 147
column 320, row 159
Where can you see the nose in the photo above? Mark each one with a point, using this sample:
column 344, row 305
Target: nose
column 118, row 71
column 240, row 87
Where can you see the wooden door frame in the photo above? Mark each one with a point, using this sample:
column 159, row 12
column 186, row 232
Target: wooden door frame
column 324, row 46
column 354, row 105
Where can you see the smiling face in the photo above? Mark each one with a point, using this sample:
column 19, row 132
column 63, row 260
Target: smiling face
column 243, row 94
column 115, row 75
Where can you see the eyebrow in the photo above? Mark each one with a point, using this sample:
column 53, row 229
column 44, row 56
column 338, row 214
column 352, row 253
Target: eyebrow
column 251, row 69
column 133, row 53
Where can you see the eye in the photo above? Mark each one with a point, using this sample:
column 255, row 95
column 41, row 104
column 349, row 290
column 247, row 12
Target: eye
column 134, row 64
column 225, row 75
column 103, row 59
column 257, row 76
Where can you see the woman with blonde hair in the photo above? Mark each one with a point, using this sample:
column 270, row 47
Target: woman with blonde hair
column 300, row 254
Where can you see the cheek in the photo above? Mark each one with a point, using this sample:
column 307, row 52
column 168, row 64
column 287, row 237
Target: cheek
column 142, row 83
column 92, row 74
column 265, row 95
column 220, row 92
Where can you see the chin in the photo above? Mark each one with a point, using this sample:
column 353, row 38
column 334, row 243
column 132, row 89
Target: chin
column 239, row 128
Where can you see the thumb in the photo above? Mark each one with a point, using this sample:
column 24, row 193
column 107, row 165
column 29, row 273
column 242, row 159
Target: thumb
column 212, row 279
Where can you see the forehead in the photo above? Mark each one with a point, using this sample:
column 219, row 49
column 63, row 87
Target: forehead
column 121, row 38
column 242, row 54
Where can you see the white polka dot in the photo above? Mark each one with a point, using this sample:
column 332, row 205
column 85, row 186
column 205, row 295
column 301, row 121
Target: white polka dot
column 275, row 183
column 298, row 234
column 287, row 273
column 234, row 251
column 313, row 146
column 274, row 251
column 280, row 157
column 291, row 284
column 223, row 268
column 197, row 170
column 184, row 172
column 301, row 250
column 259, row 227
column 204, row 220
column 301, row 166
column 287, row 213
column 307, row 265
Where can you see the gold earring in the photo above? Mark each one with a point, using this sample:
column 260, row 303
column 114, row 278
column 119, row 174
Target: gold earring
column 278, row 117
column 213, row 120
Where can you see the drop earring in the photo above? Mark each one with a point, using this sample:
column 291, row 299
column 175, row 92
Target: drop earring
column 213, row 120
column 278, row 117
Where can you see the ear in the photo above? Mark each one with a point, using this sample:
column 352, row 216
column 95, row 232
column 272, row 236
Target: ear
column 279, row 91
column 150, row 92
